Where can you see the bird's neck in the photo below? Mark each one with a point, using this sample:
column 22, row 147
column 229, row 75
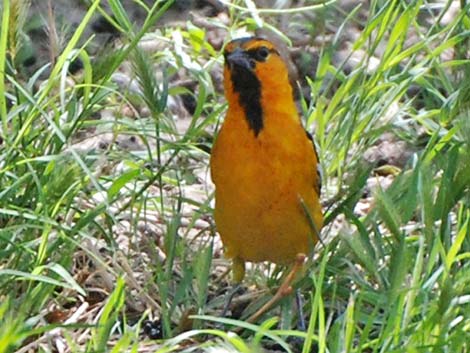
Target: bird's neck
column 278, row 99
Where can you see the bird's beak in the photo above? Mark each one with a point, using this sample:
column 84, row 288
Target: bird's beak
column 239, row 58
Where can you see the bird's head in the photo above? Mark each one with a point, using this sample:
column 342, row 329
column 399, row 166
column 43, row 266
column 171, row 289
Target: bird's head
column 255, row 76
column 253, row 59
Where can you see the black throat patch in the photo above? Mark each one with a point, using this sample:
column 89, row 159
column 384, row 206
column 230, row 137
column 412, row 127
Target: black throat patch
column 247, row 85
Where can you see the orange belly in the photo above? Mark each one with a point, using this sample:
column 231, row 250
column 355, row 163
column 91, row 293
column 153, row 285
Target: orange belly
column 260, row 187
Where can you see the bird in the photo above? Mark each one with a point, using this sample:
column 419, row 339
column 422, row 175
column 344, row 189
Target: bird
column 263, row 162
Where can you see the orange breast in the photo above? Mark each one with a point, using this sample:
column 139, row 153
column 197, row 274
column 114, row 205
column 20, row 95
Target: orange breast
column 261, row 183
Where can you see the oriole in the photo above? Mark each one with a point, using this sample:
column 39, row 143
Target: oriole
column 263, row 162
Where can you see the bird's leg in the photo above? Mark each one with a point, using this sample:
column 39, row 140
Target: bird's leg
column 229, row 297
column 284, row 290
column 238, row 269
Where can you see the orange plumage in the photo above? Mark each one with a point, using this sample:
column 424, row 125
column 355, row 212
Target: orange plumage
column 263, row 163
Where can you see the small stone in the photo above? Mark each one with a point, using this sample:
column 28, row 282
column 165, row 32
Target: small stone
column 153, row 329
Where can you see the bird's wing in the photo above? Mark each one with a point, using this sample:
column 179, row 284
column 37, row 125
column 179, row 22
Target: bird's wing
column 318, row 180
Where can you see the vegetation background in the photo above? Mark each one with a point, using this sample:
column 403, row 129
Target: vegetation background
column 108, row 112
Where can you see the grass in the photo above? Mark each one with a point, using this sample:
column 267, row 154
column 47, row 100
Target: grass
column 94, row 241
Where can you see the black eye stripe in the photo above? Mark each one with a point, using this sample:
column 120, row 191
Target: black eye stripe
column 253, row 53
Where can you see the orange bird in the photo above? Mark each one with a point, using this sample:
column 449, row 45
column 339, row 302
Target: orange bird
column 263, row 162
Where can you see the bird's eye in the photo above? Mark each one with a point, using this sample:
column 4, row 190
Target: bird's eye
column 262, row 53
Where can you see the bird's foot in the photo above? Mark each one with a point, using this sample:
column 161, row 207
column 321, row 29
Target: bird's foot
column 284, row 290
